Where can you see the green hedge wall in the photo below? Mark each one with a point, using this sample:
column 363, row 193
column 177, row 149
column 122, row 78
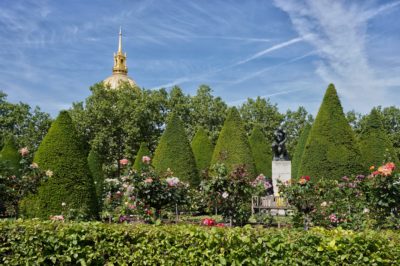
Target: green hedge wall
column 48, row 243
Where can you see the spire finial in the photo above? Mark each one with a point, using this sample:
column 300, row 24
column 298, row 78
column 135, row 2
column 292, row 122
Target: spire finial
column 120, row 40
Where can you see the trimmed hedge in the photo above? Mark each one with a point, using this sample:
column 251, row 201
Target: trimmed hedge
column 143, row 151
column 298, row 153
column 262, row 152
column 96, row 170
column 61, row 152
column 202, row 150
column 233, row 147
column 10, row 156
column 331, row 150
column 376, row 147
column 174, row 152
column 55, row 243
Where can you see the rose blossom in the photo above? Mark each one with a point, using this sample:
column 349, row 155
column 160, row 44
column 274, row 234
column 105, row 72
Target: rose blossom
column 148, row 180
column 34, row 165
column 146, row 159
column 63, row 204
column 172, row 181
column 123, row 161
column 24, row 151
column 57, row 218
column 225, row 195
column 324, row 204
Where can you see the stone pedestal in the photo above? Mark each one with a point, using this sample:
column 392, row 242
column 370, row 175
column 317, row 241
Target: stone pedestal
column 281, row 170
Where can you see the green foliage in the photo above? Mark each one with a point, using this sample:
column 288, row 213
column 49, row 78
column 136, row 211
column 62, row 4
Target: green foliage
column 202, row 150
column 20, row 121
column 47, row 243
column 143, row 151
column 174, row 152
column 263, row 113
column 262, row 152
column 376, row 148
column 229, row 193
column 96, row 170
column 70, row 182
column 331, row 150
column 10, row 156
column 233, row 148
column 298, row 154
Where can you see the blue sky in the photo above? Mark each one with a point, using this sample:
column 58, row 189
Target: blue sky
column 286, row 50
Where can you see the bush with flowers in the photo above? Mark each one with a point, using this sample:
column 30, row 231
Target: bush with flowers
column 230, row 193
column 16, row 186
column 351, row 202
column 142, row 195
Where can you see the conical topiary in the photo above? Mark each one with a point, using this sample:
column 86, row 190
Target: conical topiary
column 174, row 152
column 331, row 150
column 10, row 156
column 298, row 152
column 262, row 151
column 202, row 150
column 69, row 182
column 376, row 147
column 143, row 151
column 233, row 148
column 96, row 170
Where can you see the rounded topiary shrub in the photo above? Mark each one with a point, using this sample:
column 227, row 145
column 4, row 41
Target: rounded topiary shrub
column 331, row 150
column 298, row 152
column 174, row 152
column 262, row 151
column 202, row 150
column 62, row 156
column 376, row 147
column 10, row 156
column 143, row 151
column 233, row 148
column 96, row 170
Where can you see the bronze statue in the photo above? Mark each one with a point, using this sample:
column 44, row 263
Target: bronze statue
column 278, row 146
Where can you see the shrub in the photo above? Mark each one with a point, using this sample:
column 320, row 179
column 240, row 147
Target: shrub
column 96, row 170
column 233, row 148
column 375, row 146
column 298, row 153
column 69, row 178
column 48, row 243
column 10, row 156
column 331, row 150
column 261, row 151
column 174, row 152
column 202, row 150
column 143, row 151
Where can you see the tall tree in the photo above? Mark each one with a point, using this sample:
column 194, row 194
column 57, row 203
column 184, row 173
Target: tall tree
column 143, row 151
column 263, row 113
column 299, row 151
column 202, row 150
column 233, row 147
column 174, row 152
column 376, row 147
column 293, row 123
column 331, row 150
column 262, row 152
column 70, row 181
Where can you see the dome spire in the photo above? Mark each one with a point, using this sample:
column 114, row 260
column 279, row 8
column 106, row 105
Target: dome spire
column 120, row 40
column 120, row 58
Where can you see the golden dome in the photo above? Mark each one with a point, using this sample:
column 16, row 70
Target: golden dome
column 120, row 70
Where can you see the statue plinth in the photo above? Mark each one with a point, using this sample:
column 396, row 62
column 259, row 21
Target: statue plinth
column 281, row 170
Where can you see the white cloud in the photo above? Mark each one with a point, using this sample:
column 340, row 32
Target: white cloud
column 338, row 30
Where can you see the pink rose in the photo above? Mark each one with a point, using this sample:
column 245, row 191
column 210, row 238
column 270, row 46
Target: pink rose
column 123, row 161
column 148, row 180
column 146, row 159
